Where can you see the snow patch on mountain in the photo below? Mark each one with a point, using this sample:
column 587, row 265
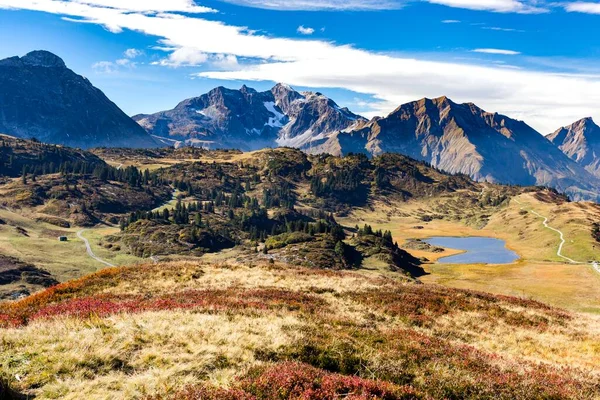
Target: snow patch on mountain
column 278, row 119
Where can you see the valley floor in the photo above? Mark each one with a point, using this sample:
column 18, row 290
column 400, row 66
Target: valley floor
column 540, row 274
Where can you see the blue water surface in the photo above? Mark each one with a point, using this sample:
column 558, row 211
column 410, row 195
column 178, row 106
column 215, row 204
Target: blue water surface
column 479, row 250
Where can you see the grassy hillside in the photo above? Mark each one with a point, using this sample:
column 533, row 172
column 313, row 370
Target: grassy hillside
column 270, row 331
column 203, row 202
column 277, row 275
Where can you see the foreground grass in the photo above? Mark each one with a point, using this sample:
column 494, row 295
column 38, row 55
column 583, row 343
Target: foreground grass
column 192, row 330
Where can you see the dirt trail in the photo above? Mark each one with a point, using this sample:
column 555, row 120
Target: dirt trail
column 562, row 239
column 89, row 249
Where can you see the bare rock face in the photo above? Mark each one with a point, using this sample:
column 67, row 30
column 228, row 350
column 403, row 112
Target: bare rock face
column 249, row 120
column 42, row 98
column 462, row 138
column 581, row 142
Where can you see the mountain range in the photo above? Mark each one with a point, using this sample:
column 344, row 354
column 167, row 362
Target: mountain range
column 463, row 138
column 249, row 120
column 42, row 98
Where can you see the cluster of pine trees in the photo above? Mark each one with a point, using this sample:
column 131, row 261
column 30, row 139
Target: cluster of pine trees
column 596, row 231
column 367, row 230
column 338, row 183
column 180, row 215
column 130, row 175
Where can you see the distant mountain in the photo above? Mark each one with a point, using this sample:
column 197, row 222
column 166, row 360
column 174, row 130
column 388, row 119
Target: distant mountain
column 581, row 142
column 40, row 97
column 249, row 120
column 462, row 138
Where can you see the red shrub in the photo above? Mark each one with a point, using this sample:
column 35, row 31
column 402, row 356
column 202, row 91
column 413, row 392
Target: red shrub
column 300, row 381
column 212, row 300
column 296, row 381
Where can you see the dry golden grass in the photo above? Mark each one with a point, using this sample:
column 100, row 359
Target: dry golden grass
column 129, row 356
column 158, row 352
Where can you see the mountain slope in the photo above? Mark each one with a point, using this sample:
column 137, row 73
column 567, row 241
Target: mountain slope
column 249, row 120
column 42, row 98
column 462, row 138
column 581, row 142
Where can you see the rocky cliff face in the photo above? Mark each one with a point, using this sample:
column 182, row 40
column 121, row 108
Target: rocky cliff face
column 42, row 98
column 250, row 120
column 581, row 142
column 462, row 138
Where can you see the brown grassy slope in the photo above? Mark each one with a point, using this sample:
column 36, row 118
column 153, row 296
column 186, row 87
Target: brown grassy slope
column 156, row 329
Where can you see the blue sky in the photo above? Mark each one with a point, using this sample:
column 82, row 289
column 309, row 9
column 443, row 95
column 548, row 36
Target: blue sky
column 532, row 60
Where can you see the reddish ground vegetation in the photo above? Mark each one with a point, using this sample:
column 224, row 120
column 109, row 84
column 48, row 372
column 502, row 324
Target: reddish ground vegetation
column 440, row 368
column 208, row 300
column 296, row 381
column 420, row 305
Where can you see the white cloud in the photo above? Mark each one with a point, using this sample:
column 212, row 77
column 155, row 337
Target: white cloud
column 225, row 61
column 583, row 7
column 147, row 5
column 499, row 29
column 314, row 5
column 111, row 67
column 501, row 6
column 451, row 21
column 105, row 67
column 305, row 30
column 504, row 6
column 133, row 53
column 543, row 99
column 184, row 57
column 497, row 51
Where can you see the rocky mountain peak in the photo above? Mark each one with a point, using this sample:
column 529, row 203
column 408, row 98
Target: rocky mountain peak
column 247, row 90
column 284, row 96
column 44, row 99
column 580, row 141
column 586, row 125
column 42, row 58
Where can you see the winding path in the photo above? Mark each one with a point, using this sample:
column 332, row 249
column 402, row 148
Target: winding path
column 89, row 249
column 562, row 239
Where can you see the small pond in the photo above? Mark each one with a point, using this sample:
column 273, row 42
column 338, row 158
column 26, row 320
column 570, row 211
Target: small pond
column 478, row 250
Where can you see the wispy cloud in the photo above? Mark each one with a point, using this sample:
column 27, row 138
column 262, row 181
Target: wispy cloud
column 583, row 7
column 504, row 6
column 133, row 53
column 451, row 21
column 321, row 5
column 497, row 51
column 499, row 29
column 105, row 67
column 501, row 6
column 305, row 30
